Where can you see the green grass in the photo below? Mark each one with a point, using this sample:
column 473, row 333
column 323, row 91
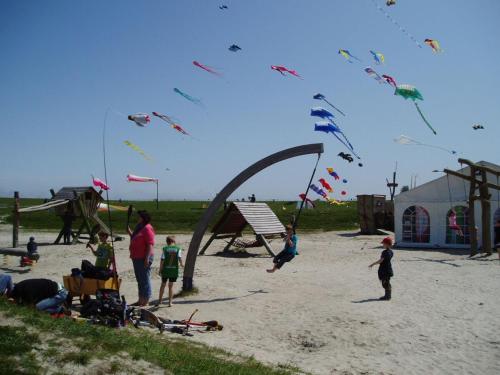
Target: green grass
column 182, row 216
column 15, row 351
column 177, row 356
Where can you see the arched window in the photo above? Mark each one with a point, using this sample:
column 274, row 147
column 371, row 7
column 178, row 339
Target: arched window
column 457, row 226
column 416, row 225
column 496, row 217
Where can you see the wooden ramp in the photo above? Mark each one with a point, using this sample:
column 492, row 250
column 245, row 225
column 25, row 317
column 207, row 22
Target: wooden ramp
column 264, row 223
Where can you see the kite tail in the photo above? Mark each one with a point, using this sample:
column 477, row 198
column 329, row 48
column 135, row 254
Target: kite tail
column 335, row 108
column 423, row 118
column 348, row 145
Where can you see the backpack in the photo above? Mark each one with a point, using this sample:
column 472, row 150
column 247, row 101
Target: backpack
column 108, row 308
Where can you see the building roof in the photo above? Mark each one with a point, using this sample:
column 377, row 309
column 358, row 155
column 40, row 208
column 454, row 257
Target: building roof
column 446, row 188
column 258, row 215
column 68, row 192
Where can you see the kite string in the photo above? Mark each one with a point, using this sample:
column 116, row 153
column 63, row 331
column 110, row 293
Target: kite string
column 335, row 108
column 295, row 222
column 346, row 145
column 401, row 28
column 423, row 118
column 113, row 259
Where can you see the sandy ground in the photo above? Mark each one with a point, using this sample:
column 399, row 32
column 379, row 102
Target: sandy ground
column 320, row 312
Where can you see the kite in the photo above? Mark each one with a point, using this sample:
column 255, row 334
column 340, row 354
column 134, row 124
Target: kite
column 180, row 129
column 318, row 191
column 283, row 70
column 165, row 118
column 103, row 207
column 326, row 185
column 378, row 57
column 222, row 7
column 347, row 55
column 434, row 44
column 188, row 97
column 344, row 181
column 234, row 48
column 347, row 157
column 133, row 178
column 390, row 2
column 322, row 97
column 140, row 119
column 407, row 91
column 321, row 112
column 401, row 28
column 405, row 140
column 477, row 127
column 331, row 127
column 372, row 73
column 334, row 202
column 332, row 173
column 138, row 149
column 206, row 68
column 306, row 200
column 360, row 164
column 391, row 81
column 99, row 183
column 343, row 192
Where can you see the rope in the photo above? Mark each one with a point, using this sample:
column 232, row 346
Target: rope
column 115, row 271
column 305, row 195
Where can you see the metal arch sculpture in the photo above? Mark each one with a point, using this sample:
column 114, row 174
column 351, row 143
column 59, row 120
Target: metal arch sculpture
column 235, row 183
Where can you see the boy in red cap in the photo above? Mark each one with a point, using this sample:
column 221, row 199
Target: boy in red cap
column 385, row 269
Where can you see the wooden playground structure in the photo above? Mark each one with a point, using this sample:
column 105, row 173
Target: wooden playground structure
column 264, row 223
column 70, row 204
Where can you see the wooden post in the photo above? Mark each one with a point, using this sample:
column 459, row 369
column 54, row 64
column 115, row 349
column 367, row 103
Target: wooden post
column 485, row 213
column 157, row 200
column 15, row 221
column 231, row 241
column 266, row 245
column 472, row 214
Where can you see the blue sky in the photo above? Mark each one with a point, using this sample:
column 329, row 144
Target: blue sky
column 64, row 63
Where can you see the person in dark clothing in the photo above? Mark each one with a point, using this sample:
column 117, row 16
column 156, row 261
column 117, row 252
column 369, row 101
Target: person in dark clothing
column 67, row 226
column 252, row 198
column 497, row 237
column 32, row 246
column 385, row 269
column 46, row 295
column 288, row 253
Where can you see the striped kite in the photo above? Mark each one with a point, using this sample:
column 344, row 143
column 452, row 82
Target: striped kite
column 137, row 149
column 332, row 173
column 434, row 44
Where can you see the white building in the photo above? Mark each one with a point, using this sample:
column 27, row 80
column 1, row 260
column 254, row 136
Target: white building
column 422, row 215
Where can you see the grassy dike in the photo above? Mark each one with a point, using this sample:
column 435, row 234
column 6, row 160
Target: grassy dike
column 182, row 216
column 34, row 343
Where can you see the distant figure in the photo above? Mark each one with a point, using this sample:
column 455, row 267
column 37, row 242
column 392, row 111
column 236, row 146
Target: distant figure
column 46, row 295
column 252, row 198
column 385, row 269
column 497, row 237
column 288, row 253
column 243, row 199
column 32, row 247
column 67, row 227
column 171, row 259
column 6, row 285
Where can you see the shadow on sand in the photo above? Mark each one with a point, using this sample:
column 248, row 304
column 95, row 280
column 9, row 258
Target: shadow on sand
column 368, row 300
column 191, row 302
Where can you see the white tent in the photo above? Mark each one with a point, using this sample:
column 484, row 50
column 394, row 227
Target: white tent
column 421, row 215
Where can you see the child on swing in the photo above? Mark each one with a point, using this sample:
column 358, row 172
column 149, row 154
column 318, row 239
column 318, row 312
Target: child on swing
column 288, row 253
